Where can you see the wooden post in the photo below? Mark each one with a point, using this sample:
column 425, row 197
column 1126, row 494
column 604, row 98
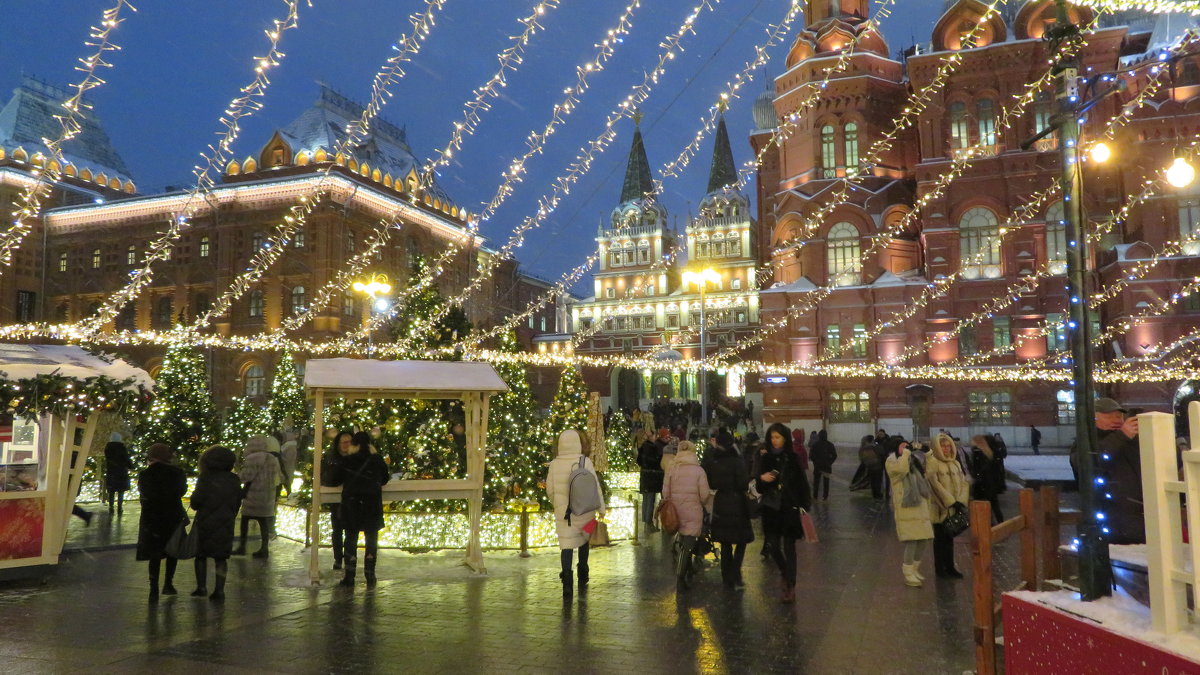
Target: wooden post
column 981, row 557
column 1028, row 541
column 637, row 520
column 1168, row 602
column 524, row 530
column 1051, row 532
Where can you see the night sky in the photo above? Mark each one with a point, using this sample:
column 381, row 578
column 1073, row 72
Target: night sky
column 182, row 61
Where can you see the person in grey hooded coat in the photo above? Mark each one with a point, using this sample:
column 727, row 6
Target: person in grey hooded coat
column 261, row 477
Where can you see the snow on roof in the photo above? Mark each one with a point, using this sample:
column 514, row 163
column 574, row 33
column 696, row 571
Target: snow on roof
column 451, row 377
column 18, row 362
column 801, row 284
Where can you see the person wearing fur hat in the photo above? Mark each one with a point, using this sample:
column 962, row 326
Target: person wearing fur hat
column 161, row 487
column 261, row 477
column 910, row 504
column 572, row 445
column 949, row 489
column 687, row 488
column 215, row 500
column 362, row 473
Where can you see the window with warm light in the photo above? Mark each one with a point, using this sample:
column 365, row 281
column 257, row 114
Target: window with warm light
column 1001, row 332
column 849, row 406
column 299, row 299
column 960, row 135
column 205, row 247
column 988, row 408
column 1056, row 238
column 828, row 152
column 1064, row 400
column 985, row 121
column 979, row 233
column 1056, row 333
column 860, row 341
column 96, row 259
column 256, row 304
column 850, row 141
column 348, row 308
column 62, row 262
column 968, row 342
column 254, row 381
column 131, row 255
column 833, row 336
column 843, row 255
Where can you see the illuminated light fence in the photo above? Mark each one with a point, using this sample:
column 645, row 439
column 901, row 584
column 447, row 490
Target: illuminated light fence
column 443, row 530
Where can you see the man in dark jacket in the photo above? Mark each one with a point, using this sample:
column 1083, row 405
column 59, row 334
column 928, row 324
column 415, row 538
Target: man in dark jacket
column 1120, row 464
column 649, row 459
column 823, row 454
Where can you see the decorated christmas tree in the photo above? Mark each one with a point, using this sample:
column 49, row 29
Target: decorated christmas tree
column 287, row 407
column 245, row 419
column 621, row 453
column 570, row 407
column 182, row 414
column 412, row 325
column 516, row 451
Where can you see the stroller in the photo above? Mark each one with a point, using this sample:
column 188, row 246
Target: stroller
column 690, row 552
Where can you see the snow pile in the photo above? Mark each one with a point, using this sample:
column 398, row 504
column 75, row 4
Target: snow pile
column 1120, row 614
column 1039, row 467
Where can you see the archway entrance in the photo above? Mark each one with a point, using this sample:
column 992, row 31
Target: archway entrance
column 627, row 389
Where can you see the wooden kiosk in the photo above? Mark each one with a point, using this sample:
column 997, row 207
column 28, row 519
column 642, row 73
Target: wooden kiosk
column 42, row 458
column 471, row 383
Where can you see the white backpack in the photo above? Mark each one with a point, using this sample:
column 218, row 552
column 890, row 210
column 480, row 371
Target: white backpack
column 583, row 491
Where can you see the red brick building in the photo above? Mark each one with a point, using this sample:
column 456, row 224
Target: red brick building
column 966, row 115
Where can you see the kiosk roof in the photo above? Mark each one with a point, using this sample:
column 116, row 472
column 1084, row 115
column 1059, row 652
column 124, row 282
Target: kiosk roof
column 401, row 376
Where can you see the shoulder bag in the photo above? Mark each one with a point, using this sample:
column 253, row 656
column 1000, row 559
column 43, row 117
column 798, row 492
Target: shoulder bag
column 668, row 517
column 183, row 543
column 956, row 522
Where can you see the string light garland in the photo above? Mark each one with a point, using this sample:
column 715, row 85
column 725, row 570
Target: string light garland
column 1151, row 6
column 29, row 203
column 214, row 158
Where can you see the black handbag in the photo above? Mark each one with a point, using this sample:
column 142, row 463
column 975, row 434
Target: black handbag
column 183, row 543
column 957, row 521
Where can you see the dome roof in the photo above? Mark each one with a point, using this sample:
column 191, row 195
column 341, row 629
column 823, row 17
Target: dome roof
column 764, row 111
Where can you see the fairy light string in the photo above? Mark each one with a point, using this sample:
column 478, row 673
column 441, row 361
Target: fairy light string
column 214, row 158
column 29, row 204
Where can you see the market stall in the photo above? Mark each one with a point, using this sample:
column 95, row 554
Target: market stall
column 471, row 383
column 54, row 397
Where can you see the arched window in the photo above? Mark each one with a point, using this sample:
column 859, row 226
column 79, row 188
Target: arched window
column 162, row 312
column 1056, row 238
column 62, row 262
column 959, row 133
column 985, row 121
column 254, row 381
column 842, row 255
column 298, row 299
column 205, row 246
column 256, row 303
column 96, row 259
column 850, row 134
column 131, row 255
column 828, row 152
column 979, row 234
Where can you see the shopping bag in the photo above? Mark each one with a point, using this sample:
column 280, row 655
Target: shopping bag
column 182, row 544
column 600, row 534
column 810, row 529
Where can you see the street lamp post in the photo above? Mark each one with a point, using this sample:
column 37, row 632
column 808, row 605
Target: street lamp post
column 376, row 291
column 701, row 279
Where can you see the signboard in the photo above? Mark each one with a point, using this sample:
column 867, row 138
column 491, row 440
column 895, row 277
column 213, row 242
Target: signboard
column 775, row 379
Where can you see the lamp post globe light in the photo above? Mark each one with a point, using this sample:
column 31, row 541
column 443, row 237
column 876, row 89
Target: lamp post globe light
column 701, row 278
column 376, row 290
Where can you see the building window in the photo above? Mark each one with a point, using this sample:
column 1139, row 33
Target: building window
column 256, row 303
column 1191, row 303
column 126, row 318
column 860, row 341
column 1001, row 333
column 205, row 247
column 543, row 324
column 610, row 292
column 833, row 337
column 736, row 284
column 1043, row 109
column 62, row 262
column 256, row 242
column 644, row 253
column 1064, row 400
column 1056, row 333
column 298, row 239
column 614, row 258
column 733, row 245
column 980, row 236
column 348, row 305
column 959, row 133
column 828, row 152
column 968, row 342
column 849, row 406
column 989, row 408
column 649, row 289
column 842, row 255
column 622, row 323
column 162, row 312
column 131, row 255
column 350, row 242
column 26, row 304
column 850, row 134
column 985, row 121
column 1189, row 223
column 254, row 381
column 96, row 259
column 530, row 321
column 673, row 321
column 1056, row 238
column 298, row 299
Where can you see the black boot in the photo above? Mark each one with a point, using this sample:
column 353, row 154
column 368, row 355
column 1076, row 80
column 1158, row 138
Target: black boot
column 264, row 531
column 222, row 571
column 201, row 567
column 568, row 584
column 369, row 570
column 583, row 578
column 348, row 575
column 245, row 531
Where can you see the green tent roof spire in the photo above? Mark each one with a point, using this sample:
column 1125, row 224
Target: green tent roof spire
column 638, row 182
column 723, row 172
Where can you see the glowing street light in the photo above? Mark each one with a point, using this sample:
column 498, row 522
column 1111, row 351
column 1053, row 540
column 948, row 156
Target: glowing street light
column 1181, row 173
column 376, row 291
column 1101, row 152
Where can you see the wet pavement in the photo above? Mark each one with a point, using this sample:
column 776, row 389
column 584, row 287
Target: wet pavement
column 428, row 614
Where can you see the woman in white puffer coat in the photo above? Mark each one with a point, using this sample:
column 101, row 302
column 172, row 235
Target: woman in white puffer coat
column 572, row 445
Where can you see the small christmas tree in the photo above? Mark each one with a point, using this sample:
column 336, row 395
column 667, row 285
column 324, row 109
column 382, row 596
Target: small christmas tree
column 516, row 452
column 569, row 410
column 411, row 326
column 245, row 419
column 621, row 453
column 182, row 414
column 287, row 408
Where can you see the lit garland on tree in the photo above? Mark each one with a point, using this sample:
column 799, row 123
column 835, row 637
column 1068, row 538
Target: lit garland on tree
column 621, row 452
column 182, row 415
column 516, row 456
column 570, row 407
column 287, row 407
column 244, row 420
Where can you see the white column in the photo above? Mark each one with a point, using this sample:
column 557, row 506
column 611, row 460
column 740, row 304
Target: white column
column 1168, row 601
column 314, row 510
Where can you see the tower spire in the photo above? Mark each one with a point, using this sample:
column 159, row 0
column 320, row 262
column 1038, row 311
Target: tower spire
column 723, row 172
column 638, row 182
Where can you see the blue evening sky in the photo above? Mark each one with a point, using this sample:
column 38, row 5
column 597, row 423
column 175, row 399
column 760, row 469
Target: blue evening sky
column 183, row 60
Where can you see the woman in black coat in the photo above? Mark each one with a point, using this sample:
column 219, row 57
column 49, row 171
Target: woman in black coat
column 362, row 474
column 116, row 471
column 731, row 507
column 161, row 487
column 785, row 491
column 823, row 454
column 650, row 482
column 216, row 500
